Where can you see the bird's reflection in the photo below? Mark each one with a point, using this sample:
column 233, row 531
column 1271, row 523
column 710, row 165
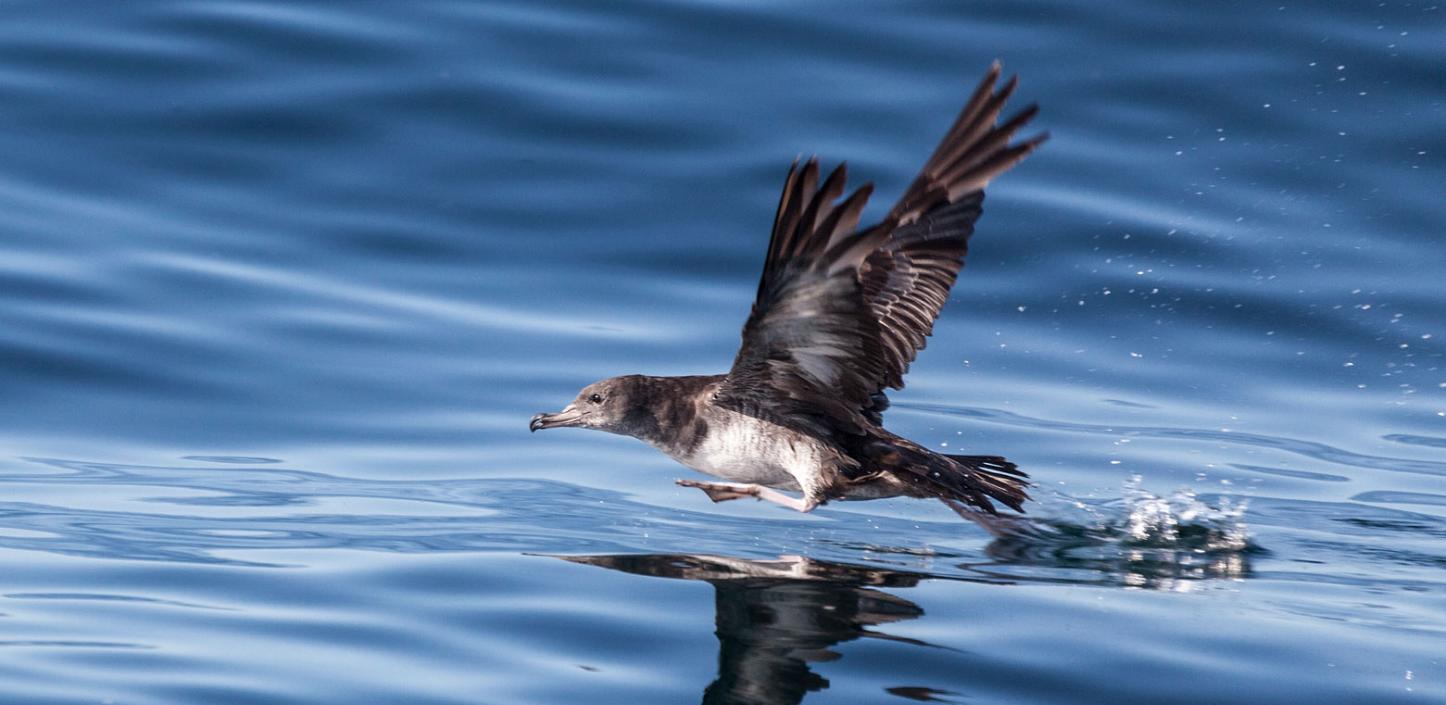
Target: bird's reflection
column 775, row 617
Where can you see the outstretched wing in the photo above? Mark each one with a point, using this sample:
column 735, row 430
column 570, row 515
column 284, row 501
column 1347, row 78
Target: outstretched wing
column 906, row 281
column 810, row 352
column 840, row 314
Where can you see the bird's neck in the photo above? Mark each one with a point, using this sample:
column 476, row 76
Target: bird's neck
column 669, row 418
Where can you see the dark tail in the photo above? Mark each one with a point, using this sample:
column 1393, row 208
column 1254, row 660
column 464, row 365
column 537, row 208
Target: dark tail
column 986, row 477
column 979, row 480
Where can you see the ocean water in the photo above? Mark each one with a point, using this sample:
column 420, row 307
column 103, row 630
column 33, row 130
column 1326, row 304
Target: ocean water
column 282, row 282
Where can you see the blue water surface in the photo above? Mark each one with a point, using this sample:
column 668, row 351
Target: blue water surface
column 282, row 282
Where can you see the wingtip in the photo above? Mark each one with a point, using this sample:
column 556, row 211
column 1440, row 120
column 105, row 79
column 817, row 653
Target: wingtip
column 809, row 172
column 986, row 84
column 1019, row 118
column 1008, row 88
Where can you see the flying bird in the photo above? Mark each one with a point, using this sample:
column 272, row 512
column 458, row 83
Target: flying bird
column 841, row 312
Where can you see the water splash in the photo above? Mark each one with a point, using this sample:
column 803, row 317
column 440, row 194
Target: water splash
column 1139, row 540
column 1182, row 520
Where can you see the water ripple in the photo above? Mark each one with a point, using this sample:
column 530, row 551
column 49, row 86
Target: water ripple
column 373, row 239
column 1310, row 449
column 1141, row 540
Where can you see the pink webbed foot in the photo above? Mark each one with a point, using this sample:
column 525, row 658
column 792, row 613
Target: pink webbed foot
column 724, row 491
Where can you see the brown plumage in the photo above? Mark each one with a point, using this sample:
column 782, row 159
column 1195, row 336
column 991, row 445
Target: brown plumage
column 840, row 314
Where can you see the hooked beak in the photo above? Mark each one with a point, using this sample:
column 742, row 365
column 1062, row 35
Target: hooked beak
column 570, row 416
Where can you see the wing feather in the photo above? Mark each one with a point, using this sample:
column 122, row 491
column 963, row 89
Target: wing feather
column 842, row 312
column 810, row 355
column 908, row 278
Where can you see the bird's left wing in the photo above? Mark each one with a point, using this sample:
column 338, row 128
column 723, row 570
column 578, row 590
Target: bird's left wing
column 811, row 353
column 907, row 280
column 840, row 315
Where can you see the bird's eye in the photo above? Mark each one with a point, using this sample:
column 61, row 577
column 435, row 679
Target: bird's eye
column 595, row 398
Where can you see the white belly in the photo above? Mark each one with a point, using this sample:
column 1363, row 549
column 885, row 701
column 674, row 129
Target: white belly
column 744, row 449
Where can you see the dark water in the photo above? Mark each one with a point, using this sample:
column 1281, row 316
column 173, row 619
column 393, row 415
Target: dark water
column 282, row 283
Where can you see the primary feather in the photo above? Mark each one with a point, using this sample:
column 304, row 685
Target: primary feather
column 842, row 312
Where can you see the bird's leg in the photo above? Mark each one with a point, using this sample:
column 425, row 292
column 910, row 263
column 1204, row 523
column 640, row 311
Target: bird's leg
column 724, row 491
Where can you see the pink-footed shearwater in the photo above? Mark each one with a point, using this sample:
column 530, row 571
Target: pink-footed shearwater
column 840, row 313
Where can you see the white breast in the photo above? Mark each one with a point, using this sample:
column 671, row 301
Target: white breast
column 741, row 448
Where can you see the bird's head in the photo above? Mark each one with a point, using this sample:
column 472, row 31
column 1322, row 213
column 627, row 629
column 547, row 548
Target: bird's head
column 615, row 405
